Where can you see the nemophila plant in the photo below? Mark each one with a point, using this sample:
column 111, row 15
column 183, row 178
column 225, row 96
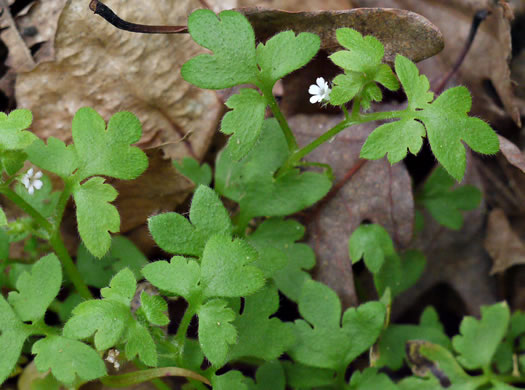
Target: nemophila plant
column 233, row 268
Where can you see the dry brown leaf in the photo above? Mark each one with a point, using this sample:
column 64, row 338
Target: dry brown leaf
column 376, row 191
column 19, row 57
column 502, row 243
column 512, row 153
column 298, row 5
column 111, row 70
column 487, row 61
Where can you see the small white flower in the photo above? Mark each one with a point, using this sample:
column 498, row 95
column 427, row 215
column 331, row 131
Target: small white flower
column 112, row 358
column 320, row 91
column 31, row 181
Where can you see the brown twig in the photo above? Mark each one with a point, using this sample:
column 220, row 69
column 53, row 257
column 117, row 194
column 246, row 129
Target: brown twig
column 479, row 17
column 104, row 11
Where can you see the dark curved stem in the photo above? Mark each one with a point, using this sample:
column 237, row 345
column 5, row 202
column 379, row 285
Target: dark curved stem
column 103, row 10
column 479, row 17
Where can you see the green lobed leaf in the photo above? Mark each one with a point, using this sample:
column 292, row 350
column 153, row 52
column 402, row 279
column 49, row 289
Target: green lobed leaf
column 393, row 340
column 232, row 380
column 122, row 254
column 345, row 87
column 231, row 39
column 244, row 121
column 13, row 333
column 479, row 339
column 226, row 269
column 274, row 59
column 11, row 161
column 251, row 181
column 96, row 216
column 260, row 336
column 364, row 54
column 180, row 276
column 140, row 343
column 198, row 174
column 121, row 288
column 36, row 290
column 68, row 359
column 393, row 139
column 175, row 234
column 415, row 383
column 372, row 243
column 55, row 157
column 12, row 130
column 155, row 308
column 216, row 332
column 444, row 203
column 108, row 152
column 300, row 376
column 321, row 340
column 399, row 273
column 416, row 86
column 270, row 376
column 370, row 379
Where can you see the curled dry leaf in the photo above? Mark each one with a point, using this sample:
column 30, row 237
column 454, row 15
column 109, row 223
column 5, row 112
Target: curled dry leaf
column 111, row 70
column 415, row 37
column 486, row 66
column 512, row 153
column 297, row 5
column 502, row 243
column 375, row 192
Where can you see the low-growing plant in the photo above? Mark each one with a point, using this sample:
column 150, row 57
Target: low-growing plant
column 230, row 276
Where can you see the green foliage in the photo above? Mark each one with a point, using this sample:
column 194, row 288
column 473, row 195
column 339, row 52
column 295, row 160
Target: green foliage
column 446, row 122
column 373, row 244
column 13, row 134
column 370, row 379
column 445, row 204
column 198, row 174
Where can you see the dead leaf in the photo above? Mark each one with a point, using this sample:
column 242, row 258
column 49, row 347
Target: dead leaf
column 512, row 153
column 415, row 37
column 19, row 57
column 486, row 67
column 502, row 243
column 298, row 5
column 376, row 192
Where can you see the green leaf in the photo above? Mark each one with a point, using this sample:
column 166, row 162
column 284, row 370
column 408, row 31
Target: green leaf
column 36, row 290
column 226, row 269
column 231, row 39
column 244, row 121
column 479, row 339
column 122, row 254
column 11, row 161
column 121, row 288
column 13, row 333
column 55, row 157
column 299, row 376
column 274, row 57
column 415, row 383
column 393, row 340
column 346, row 86
column 96, row 217
column 155, row 308
column 270, row 376
column 68, row 359
column 399, row 273
column 394, row 138
column 12, row 130
column 198, row 174
column 321, row 340
column 251, row 181
column 108, row 152
column 260, row 336
column 373, row 244
column 216, row 332
column 232, row 380
column 370, row 379
column 139, row 342
column 445, row 120
column 175, row 234
column 444, row 203
column 44, row 200
column 180, row 276
column 363, row 54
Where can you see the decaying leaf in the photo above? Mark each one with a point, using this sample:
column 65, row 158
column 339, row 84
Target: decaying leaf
column 512, row 153
column 502, row 243
column 376, row 192
column 19, row 57
column 297, row 5
column 486, row 67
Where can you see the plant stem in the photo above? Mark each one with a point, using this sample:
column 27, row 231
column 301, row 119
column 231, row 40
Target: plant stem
column 290, row 138
column 55, row 240
column 136, row 377
column 180, row 336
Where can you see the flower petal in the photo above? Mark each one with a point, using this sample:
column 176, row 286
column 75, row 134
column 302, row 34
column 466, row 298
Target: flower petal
column 320, row 82
column 314, row 90
column 38, row 184
column 314, row 99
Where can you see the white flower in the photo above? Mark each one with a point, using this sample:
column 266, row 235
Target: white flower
column 320, row 91
column 31, row 181
column 112, row 358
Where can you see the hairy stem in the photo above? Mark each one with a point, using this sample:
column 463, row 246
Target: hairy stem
column 180, row 336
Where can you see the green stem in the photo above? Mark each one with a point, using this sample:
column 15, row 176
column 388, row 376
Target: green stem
column 140, row 376
column 62, row 201
column 180, row 336
column 55, row 240
column 290, row 138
